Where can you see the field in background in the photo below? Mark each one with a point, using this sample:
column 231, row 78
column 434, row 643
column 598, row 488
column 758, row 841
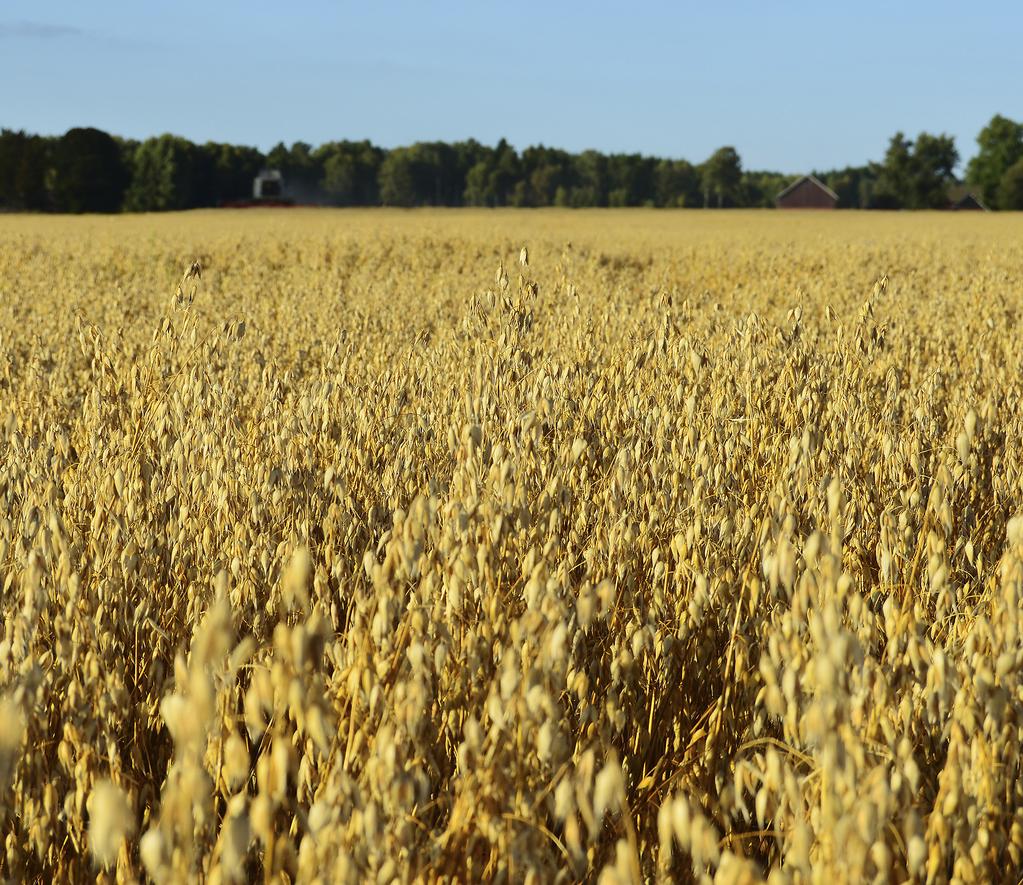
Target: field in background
column 680, row 544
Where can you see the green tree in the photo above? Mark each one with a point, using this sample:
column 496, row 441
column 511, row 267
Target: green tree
column 631, row 180
column 1010, row 188
column 166, row 175
column 468, row 154
column 492, row 180
column 545, row 171
column 721, row 175
column 128, row 147
column 301, row 168
column 426, row 174
column 477, row 185
column 591, row 173
column 226, row 173
column 853, row 184
column 24, row 160
column 435, row 168
column 350, row 172
column 677, row 183
column 505, row 173
column 88, row 172
column 1000, row 146
column 894, row 185
column 341, row 177
column 397, row 179
column 759, row 189
column 916, row 174
column 934, row 161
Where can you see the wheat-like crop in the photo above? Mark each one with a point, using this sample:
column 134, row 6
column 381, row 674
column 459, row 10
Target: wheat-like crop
column 539, row 547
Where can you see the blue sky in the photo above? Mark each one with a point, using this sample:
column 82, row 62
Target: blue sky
column 792, row 86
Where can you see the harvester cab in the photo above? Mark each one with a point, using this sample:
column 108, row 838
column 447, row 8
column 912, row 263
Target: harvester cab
column 269, row 186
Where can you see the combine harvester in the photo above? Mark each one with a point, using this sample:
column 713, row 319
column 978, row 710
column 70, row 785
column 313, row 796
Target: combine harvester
column 267, row 190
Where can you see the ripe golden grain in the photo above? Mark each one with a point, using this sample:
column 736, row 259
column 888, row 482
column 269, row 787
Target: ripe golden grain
column 694, row 551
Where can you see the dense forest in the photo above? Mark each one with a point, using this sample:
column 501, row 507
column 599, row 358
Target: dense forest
column 88, row 170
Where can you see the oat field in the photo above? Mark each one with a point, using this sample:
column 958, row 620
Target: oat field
column 620, row 546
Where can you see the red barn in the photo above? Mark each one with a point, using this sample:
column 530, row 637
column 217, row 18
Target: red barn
column 807, row 192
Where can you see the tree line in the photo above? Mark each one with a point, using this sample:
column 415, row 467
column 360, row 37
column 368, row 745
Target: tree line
column 88, row 170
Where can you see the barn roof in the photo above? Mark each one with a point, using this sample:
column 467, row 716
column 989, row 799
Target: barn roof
column 814, row 180
column 970, row 201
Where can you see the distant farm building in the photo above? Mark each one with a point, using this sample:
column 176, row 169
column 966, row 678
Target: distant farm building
column 969, row 203
column 268, row 185
column 808, row 192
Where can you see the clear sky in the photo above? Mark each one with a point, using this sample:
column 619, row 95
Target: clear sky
column 792, row 85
